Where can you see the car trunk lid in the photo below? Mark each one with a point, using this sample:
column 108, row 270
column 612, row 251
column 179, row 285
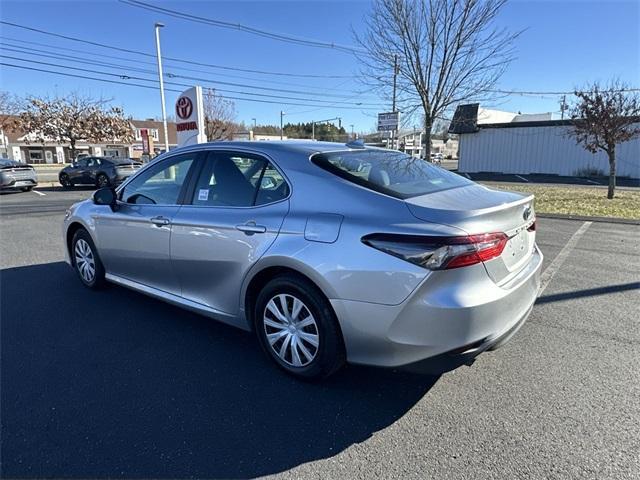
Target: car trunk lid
column 477, row 209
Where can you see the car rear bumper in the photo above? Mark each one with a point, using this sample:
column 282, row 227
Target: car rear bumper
column 454, row 315
column 18, row 183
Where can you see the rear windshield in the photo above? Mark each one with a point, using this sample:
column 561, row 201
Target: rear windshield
column 393, row 173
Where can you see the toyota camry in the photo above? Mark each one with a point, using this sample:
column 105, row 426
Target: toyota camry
column 330, row 253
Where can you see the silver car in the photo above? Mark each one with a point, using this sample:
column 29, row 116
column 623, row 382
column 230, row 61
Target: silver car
column 17, row 176
column 330, row 253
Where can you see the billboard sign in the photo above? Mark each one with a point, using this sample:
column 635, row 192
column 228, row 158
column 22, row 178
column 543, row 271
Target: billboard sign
column 388, row 122
column 190, row 116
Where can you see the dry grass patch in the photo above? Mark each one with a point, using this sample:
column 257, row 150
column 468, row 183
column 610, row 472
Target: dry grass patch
column 587, row 201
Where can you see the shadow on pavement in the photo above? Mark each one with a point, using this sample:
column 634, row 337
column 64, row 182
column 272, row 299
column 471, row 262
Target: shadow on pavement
column 589, row 292
column 115, row 384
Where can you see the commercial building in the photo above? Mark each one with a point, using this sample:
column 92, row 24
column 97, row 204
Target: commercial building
column 506, row 142
column 24, row 147
column 410, row 142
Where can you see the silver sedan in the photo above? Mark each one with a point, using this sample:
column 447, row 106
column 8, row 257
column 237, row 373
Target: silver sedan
column 330, row 253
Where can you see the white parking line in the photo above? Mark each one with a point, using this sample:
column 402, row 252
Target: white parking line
column 522, row 178
column 39, row 193
column 467, row 175
column 591, row 181
column 557, row 262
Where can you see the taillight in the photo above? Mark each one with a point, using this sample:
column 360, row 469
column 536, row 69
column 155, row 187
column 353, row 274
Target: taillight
column 440, row 253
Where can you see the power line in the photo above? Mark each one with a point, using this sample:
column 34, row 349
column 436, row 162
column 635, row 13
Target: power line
column 243, row 28
column 191, row 62
column 144, row 62
column 76, row 59
column 203, row 80
column 126, row 77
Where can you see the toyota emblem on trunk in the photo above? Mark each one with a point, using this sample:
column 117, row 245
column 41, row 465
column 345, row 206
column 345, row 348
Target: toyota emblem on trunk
column 527, row 212
column 184, row 107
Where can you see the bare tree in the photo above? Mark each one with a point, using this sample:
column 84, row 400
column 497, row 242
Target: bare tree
column 75, row 118
column 219, row 117
column 604, row 118
column 10, row 107
column 446, row 52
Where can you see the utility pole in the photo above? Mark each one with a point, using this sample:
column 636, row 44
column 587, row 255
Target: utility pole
column 393, row 106
column 563, row 107
column 313, row 130
column 352, row 136
column 158, row 26
column 281, row 127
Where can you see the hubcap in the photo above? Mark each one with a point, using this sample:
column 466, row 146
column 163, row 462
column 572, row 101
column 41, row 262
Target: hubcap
column 85, row 262
column 102, row 181
column 291, row 330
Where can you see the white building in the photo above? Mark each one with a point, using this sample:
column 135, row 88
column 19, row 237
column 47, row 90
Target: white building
column 505, row 142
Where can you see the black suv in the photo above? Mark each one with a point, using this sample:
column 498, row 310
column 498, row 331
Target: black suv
column 98, row 171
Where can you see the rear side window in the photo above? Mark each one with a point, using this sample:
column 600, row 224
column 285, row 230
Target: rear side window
column 229, row 179
column 393, row 173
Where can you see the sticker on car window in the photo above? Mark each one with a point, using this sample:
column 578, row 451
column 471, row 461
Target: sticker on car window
column 203, row 194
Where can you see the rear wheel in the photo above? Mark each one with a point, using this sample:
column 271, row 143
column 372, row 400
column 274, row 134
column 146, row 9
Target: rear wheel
column 65, row 181
column 297, row 328
column 102, row 181
column 27, row 189
column 86, row 260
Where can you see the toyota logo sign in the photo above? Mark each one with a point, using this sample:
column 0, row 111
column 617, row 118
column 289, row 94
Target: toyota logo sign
column 184, row 107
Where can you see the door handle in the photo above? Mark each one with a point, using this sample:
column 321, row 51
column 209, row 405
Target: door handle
column 250, row 228
column 160, row 221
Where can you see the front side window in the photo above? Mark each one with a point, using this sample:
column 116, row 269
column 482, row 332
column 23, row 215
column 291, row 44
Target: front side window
column 393, row 173
column 160, row 184
column 232, row 179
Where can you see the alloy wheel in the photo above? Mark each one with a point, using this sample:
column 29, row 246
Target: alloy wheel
column 291, row 330
column 103, row 181
column 85, row 261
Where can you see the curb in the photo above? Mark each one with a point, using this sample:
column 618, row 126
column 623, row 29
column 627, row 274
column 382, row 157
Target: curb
column 582, row 218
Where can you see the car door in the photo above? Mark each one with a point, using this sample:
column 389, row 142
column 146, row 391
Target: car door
column 227, row 223
column 134, row 240
column 77, row 171
column 88, row 175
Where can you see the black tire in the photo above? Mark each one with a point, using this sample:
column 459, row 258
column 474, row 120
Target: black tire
column 102, row 181
column 97, row 280
column 65, row 181
column 26, row 189
column 330, row 353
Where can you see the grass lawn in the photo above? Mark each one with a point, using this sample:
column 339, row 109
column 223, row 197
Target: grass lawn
column 585, row 201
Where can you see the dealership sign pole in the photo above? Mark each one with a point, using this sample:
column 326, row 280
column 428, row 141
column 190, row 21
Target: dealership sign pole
column 190, row 115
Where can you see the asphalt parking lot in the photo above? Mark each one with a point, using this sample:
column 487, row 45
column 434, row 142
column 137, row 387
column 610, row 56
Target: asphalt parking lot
column 115, row 384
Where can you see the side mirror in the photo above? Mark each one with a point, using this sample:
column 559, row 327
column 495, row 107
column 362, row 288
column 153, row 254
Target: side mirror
column 106, row 196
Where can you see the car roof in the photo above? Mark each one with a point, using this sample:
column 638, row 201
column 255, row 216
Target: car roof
column 307, row 147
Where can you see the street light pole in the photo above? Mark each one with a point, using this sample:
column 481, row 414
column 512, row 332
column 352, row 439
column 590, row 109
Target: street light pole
column 352, row 137
column 254, row 123
column 158, row 26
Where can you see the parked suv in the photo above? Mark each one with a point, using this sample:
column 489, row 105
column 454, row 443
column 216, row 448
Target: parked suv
column 98, row 171
column 328, row 252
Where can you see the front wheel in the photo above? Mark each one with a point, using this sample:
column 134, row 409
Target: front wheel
column 65, row 181
column 86, row 260
column 102, row 181
column 297, row 328
column 26, row 189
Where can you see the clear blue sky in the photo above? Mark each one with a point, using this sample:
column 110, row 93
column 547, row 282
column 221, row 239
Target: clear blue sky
column 566, row 44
